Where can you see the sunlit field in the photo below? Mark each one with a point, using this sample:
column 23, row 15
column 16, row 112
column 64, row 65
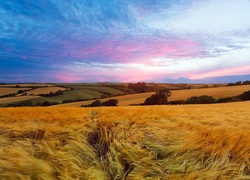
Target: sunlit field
column 9, row 90
column 15, row 99
column 45, row 90
column 217, row 92
column 150, row 142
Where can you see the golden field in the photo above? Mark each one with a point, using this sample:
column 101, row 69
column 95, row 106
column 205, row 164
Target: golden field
column 149, row 142
column 7, row 90
column 217, row 92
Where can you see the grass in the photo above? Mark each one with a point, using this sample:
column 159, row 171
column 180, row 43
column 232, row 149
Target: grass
column 217, row 92
column 45, row 90
column 79, row 93
column 95, row 87
column 9, row 90
column 16, row 99
column 151, row 142
column 103, row 89
column 82, row 92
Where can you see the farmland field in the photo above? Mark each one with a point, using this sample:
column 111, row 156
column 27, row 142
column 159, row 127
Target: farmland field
column 95, row 87
column 218, row 92
column 79, row 93
column 45, row 90
column 150, row 142
column 16, row 99
column 27, row 85
column 8, row 90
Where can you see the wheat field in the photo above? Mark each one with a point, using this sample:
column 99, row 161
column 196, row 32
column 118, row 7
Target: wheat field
column 133, row 143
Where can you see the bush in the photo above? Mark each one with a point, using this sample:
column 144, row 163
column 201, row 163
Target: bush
column 225, row 100
column 46, row 103
column 200, row 100
column 111, row 102
column 177, row 102
column 246, row 82
column 245, row 96
column 156, row 99
column 98, row 103
column 159, row 98
column 20, row 104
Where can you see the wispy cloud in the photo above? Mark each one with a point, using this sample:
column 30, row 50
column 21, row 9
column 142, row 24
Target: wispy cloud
column 101, row 40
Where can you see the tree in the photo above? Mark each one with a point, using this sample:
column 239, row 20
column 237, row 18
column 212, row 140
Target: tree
column 245, row 96
column 111, row 102
column 245, row 82
column 164, row 92
column 160, row 97
column 46, row 103
column 200, row 100
column 138, row 87
column 96, row 103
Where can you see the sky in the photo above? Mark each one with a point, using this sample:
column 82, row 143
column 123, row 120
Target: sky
column 124, row 40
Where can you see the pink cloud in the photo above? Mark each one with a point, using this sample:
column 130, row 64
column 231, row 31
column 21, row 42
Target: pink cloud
column 134, row 50
column 68, row 77
column 223, row 72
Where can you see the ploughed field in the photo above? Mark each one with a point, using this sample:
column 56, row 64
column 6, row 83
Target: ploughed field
column 149, row 142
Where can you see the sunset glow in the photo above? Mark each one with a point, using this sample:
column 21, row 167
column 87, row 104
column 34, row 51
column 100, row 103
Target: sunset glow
column 124, row 41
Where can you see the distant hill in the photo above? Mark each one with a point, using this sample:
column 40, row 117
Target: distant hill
column 218, row 79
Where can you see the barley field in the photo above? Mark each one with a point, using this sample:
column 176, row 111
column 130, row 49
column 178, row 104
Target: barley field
column 133, row 143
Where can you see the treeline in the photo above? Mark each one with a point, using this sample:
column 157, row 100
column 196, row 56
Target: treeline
column 98, row 103
column 139, row 87
column 209, row 99
column 29, row 103
column 161, row 98
column 239, row 83
column 59, row 92
column 14, row 94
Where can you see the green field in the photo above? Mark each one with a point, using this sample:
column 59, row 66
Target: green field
column 79, row 93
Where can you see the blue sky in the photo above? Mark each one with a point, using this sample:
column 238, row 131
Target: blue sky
column 124, row 41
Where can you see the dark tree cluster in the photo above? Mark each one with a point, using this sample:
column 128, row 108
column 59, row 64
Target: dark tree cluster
column 8, row 95
column 159, row 98
column 59, row 92
column 138, row 87
column 245, row 96
column 74, row 100
column 29, row 103
column 238, row 83
column 200, row 100
column 141, row 87
column 98, row 103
